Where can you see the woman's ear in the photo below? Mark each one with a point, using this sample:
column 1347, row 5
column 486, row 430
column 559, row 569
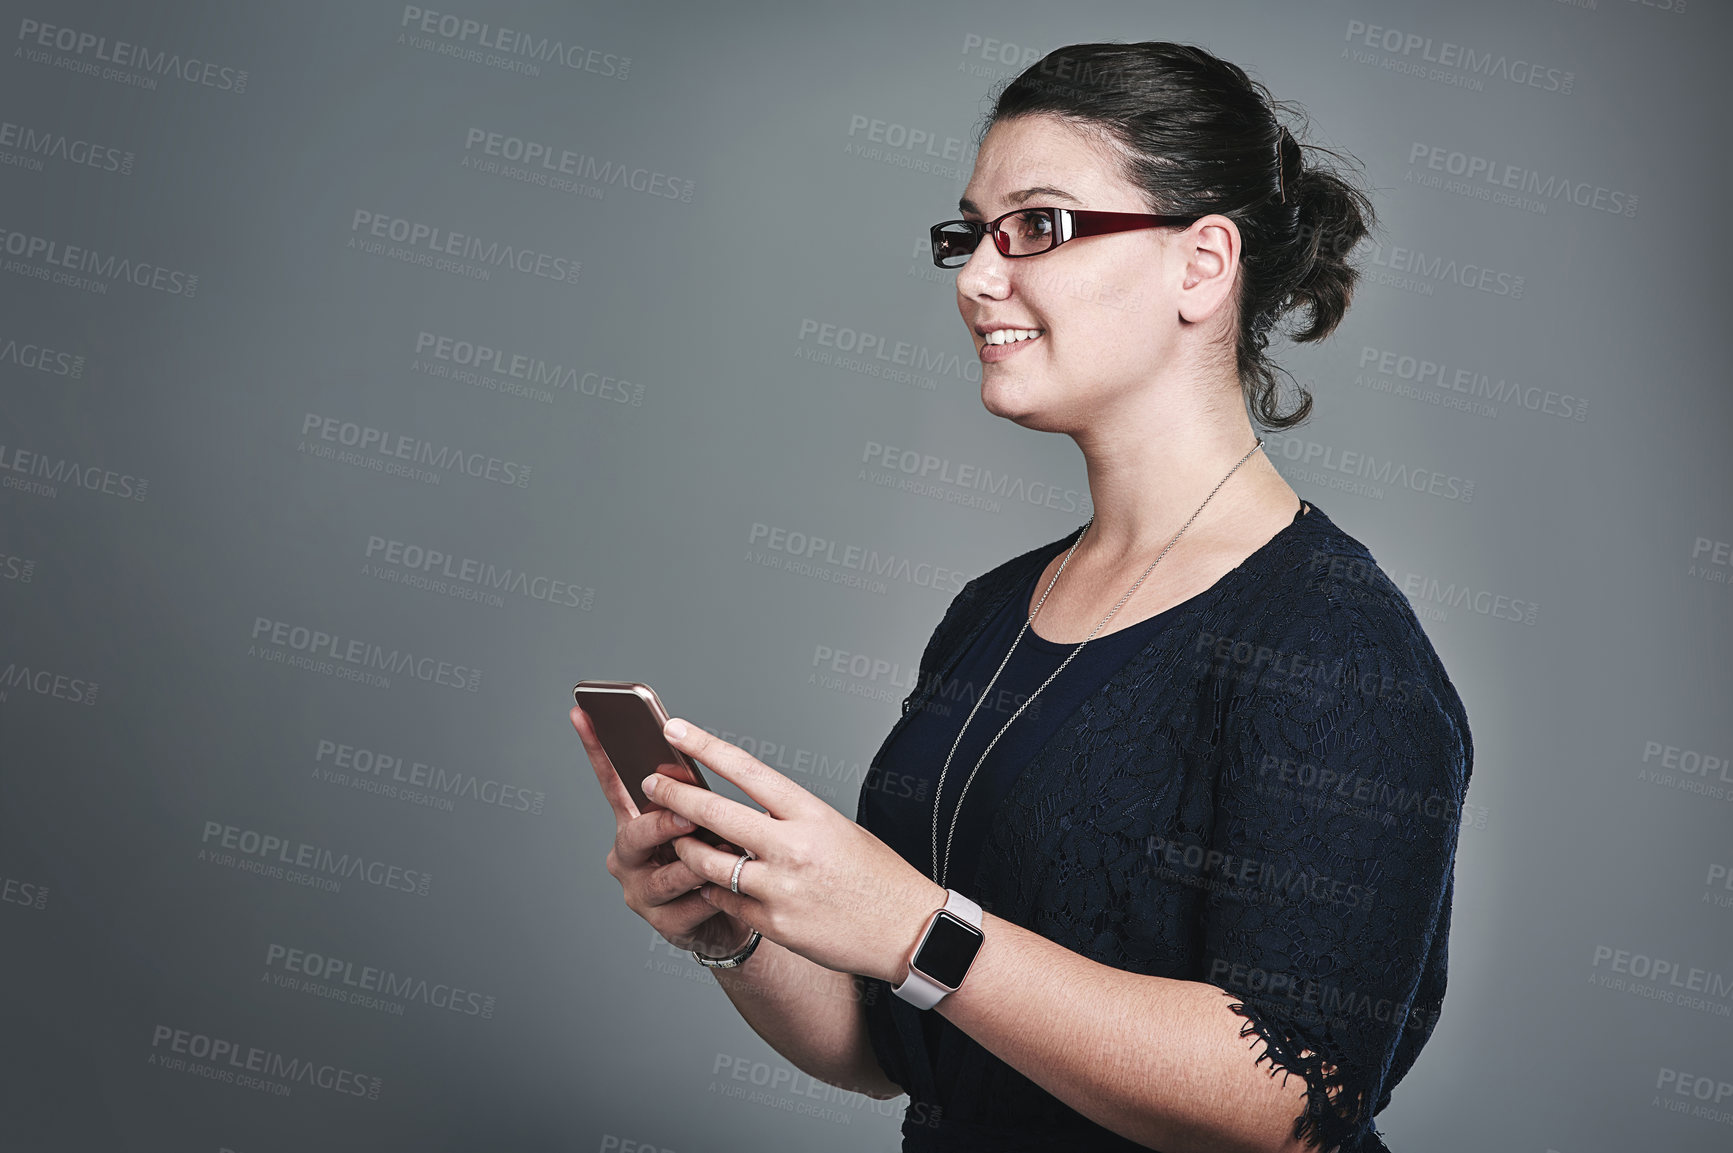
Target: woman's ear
column 1208, row 253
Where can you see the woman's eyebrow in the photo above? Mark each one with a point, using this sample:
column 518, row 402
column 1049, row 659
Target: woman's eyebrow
column 967, row 205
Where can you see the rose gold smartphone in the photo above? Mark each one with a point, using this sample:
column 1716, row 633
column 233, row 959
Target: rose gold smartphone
column 628, row 717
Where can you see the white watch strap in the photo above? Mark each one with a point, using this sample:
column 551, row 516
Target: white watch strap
column 916, row 989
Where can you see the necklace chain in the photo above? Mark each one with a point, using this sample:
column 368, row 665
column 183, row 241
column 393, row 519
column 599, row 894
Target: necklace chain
column 945, row 867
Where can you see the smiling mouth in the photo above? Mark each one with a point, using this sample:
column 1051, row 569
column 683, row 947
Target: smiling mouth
column 1003, row 336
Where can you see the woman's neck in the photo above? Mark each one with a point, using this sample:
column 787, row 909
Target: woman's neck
column 1149, row 472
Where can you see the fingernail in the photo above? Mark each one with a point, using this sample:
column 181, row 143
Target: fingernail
column 650, row 785
column 683, row 823
column 675, row 728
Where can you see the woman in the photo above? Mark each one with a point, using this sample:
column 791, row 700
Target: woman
column 1190, row 809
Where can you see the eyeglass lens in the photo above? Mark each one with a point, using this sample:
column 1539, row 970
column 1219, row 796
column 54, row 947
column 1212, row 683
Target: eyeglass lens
column 1020, row 234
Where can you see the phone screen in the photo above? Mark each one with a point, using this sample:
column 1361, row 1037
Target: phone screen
column 631, row 734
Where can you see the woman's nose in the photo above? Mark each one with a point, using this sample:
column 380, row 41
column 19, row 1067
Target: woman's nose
column 985, row 273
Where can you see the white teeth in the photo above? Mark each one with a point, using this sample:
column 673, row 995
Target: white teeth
column 1012, row 335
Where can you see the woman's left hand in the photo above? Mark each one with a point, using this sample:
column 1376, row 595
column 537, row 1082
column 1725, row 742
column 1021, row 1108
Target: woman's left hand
column 817, row 884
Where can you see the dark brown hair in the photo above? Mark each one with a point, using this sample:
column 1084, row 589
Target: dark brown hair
column 1199, row 136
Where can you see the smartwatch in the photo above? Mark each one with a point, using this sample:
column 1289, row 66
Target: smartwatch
column 946, row 950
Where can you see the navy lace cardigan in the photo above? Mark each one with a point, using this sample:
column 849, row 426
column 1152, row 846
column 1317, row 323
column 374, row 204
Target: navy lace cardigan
column 1266, row 797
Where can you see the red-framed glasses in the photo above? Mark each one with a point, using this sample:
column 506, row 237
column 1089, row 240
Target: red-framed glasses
column 1032, row 231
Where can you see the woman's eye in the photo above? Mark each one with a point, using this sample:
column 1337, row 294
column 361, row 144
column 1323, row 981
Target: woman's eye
column 1034, row 224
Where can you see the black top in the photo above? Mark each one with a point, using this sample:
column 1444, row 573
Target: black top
column 923, row 744
column 1258, row 788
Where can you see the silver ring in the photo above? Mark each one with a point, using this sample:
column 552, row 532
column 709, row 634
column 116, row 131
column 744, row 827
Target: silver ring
column 734, row 881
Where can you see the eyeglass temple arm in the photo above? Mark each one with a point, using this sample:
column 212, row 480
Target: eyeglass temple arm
column 1088, row 222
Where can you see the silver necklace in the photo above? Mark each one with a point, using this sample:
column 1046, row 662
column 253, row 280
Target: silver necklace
column 945, row 867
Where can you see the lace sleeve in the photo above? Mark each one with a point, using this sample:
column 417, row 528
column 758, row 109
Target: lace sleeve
column 1332, row 852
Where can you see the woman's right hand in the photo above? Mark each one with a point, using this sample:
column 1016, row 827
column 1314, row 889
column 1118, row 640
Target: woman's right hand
column 656, row 883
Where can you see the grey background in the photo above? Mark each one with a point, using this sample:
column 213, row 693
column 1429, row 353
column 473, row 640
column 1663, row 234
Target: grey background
column 1584, row 836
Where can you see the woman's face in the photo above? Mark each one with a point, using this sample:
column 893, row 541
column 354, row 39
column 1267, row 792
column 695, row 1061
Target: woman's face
column 1108, row 307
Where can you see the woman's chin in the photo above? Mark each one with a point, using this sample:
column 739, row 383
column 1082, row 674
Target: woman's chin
column 1004, row 398
column 1015, row 404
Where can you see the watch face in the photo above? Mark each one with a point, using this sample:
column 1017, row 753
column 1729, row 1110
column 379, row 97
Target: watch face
column 949, row 950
